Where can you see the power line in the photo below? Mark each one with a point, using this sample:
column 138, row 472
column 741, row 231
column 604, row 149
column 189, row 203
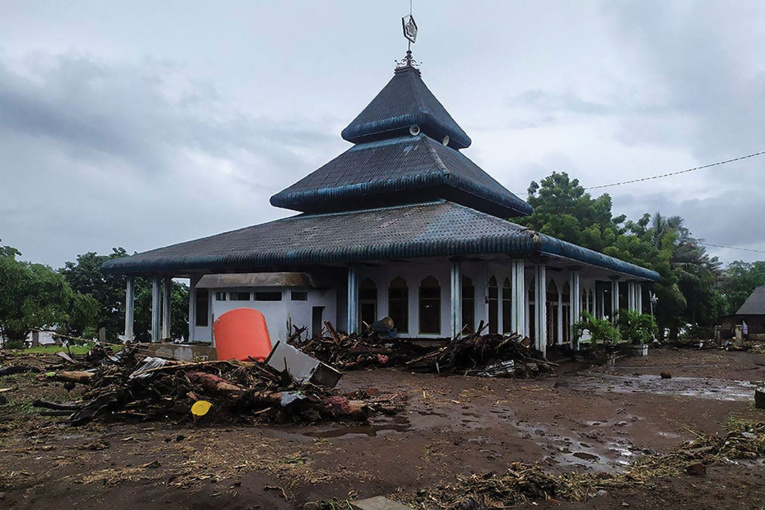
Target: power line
column 731, row 247
column 677, row 173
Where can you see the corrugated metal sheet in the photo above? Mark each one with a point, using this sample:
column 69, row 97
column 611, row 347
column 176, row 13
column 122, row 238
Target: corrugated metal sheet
column 434, row 229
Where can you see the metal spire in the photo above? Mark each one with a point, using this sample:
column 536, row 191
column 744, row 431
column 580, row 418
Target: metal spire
column 410, row 33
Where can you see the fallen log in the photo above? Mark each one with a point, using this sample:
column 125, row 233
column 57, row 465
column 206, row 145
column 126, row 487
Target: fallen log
column 341, row 406
column 212, row 382
column 75, row 376
column 332, row 331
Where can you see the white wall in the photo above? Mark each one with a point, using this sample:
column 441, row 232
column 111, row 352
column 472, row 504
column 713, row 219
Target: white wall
column 478, row 272
column 280, row 315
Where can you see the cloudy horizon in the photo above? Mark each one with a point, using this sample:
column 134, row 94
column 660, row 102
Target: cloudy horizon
column 141, row 125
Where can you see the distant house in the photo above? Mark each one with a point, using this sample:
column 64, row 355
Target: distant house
column 753, row 312
column 403, row 225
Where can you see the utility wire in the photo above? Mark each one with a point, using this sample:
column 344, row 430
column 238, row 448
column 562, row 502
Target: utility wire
column 678, row 173
column 730, row 247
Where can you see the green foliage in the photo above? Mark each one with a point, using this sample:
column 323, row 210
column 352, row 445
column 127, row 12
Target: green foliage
column 32, row 296
column 76, row 300
column 179, row 313
column 638, row 328
column 564, row 210
column 741, row 278
column 601, row 330
column 108, row 290
column 687, row 293
column 85, row 276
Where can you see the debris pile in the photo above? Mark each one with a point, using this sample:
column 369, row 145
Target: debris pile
column 123, row 388
column 351, row 352
column 527, row 482
column 491, row 355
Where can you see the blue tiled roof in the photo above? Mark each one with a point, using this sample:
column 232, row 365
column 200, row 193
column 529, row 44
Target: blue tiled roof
column 403, row 102
column 434, row 229
column 399, row 170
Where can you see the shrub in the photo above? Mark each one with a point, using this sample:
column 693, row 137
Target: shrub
column 601, row 330
column 636, row 327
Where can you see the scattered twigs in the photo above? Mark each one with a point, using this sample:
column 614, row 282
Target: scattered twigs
column 523, row 482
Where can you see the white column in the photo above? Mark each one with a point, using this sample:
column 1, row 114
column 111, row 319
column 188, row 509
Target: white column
column 156, row 297
column 559, row 318
column 518, row 311
column 639, row 296
column 614, row 297
column 500, row 311
column 192, row 307
column 456, row 299
column 353, row 300
column 576, row 304
column 631, row 301
column 129, row 308
column 167, row 301
column 540, row 308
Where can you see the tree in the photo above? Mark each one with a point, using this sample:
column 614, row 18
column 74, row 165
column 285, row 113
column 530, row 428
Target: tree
column 85, row 276
column 179, row 310
column 32, row 296
column 739, row 281
column 686, row 292
column 564, row 210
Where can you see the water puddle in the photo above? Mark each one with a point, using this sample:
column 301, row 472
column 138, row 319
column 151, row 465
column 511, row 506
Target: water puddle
column 713, row 389
column 398, row 424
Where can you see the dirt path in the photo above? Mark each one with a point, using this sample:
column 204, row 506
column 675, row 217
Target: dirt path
column 588, row 421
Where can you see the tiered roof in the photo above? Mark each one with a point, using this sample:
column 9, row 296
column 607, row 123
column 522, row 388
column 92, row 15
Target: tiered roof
column 407, row 151
column 403, row 191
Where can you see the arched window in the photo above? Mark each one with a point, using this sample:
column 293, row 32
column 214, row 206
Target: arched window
column 493, row 305
column 507, row 306
column 430, row 306
column 398, row 304
column 368, row 301
column 468, row 305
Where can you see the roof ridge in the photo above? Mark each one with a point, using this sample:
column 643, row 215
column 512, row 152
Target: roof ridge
column 433, row 153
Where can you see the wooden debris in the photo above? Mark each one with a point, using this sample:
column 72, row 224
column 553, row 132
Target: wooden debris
column 238, row 392
column 74, row 376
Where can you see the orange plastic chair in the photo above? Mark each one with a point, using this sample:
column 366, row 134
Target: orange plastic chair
column 240, row 334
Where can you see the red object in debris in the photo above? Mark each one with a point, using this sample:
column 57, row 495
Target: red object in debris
column 240, row 334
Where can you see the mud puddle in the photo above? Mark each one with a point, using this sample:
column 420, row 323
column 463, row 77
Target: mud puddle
column 706, row 388
column 583, row 449
column 397, row 424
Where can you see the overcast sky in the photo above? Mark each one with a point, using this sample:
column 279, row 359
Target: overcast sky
column 141, row 124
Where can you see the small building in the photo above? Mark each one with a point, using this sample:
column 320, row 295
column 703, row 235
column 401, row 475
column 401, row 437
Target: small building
column 402, row 224
column 753, row 313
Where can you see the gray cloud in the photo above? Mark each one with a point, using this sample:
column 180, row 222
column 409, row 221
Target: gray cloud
column 95, row 154
column 141, row 127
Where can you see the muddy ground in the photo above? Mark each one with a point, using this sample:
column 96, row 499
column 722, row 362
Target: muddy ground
column 577, row 419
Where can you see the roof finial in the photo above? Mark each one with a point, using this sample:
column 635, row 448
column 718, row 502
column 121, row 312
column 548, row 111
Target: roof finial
column 410, row 33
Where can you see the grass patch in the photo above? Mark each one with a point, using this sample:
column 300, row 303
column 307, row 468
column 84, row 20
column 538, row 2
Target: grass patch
column 51, row 349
